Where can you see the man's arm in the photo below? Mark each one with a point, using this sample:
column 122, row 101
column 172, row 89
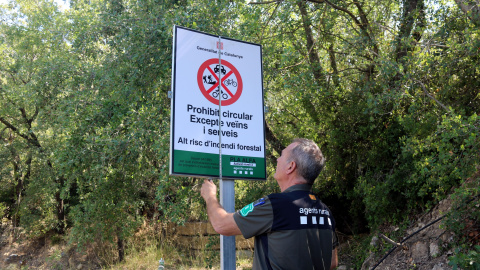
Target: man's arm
column 334, row 263
column 222, row 222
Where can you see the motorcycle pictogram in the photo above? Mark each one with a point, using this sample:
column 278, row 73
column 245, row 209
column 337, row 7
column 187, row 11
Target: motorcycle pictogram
column 215, row 94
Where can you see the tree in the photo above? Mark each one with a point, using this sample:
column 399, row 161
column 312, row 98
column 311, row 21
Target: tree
column 35, row 69
column 334, row 76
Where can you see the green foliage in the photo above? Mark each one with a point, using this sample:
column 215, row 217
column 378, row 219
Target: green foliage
column 467, row 261
column 173, row 194
column 463, row 222
column 39, row 204
column 54, row 260
column 388, row 91
column 428, row 168
column 212, row 257
column 3, row 209
column 36, row 68
column 247, row 192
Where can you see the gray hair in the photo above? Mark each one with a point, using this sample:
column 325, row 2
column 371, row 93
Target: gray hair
column 309, row 159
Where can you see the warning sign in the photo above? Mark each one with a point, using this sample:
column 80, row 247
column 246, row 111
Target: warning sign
column 207, row 69
column 208, row 79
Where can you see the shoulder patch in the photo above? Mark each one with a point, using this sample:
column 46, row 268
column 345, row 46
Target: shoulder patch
column 313, row 197
column 259, row 202
column 246, row 210
column 249, row 208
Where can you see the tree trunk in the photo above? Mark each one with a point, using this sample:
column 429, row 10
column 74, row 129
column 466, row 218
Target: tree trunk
column 120, row 246
column 314, row 62
column 273, row 140
column 311, row 49
column 60, row 213
column 408, row 35
column 333, row 64
column 372, row 50
column 413, row 14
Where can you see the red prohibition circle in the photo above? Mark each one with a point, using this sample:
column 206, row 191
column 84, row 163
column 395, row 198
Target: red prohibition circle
column 208, row 82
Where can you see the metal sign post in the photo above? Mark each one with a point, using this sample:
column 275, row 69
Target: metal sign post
column 227, row 188
column 227, row 243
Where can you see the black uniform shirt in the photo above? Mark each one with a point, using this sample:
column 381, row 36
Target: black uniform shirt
column 292, row 229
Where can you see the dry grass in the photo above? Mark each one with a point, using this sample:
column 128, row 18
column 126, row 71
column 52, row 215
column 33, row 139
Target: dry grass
column 143, row 251
column 174, row 259
column 149, row 245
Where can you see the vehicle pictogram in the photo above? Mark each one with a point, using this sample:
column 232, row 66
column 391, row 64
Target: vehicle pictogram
column 231, row 85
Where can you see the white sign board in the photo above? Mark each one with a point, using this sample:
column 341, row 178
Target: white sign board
column 199, row 79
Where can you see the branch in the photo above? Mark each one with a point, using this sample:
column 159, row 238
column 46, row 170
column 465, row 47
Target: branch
column 346, row 11
column 24, row 114
column 390, row 241
column 1, row 134
column 365, row 24
column 270, row 18
column 294, row 65
column 472, row 10
column 430, row 96
column 14, row 129
column 301, row 62
column 34, row 114
column 264, row 3
column 313, row 58
column 274, row 141
column 389, row 29
column 279, row 1
column 12, row 74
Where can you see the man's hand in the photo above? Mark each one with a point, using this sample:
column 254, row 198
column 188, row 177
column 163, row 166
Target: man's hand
column 209, row 190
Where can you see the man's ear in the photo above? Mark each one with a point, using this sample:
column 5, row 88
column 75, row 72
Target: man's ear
column 291, row 167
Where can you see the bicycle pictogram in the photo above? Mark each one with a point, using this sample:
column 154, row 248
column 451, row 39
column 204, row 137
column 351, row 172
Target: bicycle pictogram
column 230, row 82
column 219, row 81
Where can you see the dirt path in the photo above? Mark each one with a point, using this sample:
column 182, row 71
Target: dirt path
column 48, row 252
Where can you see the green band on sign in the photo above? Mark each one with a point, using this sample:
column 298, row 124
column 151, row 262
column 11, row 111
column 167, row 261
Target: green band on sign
column 237, row 167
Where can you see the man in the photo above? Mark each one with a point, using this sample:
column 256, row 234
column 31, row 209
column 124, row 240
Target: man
column 292, row 229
